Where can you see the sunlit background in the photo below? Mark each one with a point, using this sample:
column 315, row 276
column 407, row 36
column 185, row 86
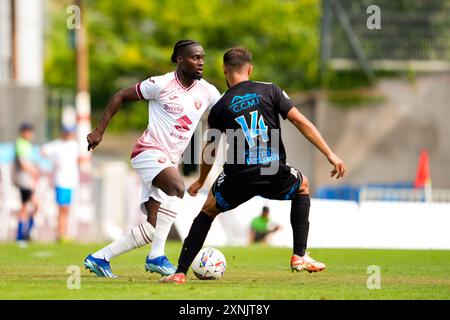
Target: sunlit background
column 379, row 94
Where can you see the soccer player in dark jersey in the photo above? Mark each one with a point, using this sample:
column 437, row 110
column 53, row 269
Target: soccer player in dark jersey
column 256, row 161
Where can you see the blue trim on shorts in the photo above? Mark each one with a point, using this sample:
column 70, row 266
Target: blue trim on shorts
column 291, row 193
column 63, row 196
column 221, row 203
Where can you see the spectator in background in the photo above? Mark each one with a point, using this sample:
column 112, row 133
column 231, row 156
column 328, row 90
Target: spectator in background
column 261, row 227
column 64, row 155
column 26, row 176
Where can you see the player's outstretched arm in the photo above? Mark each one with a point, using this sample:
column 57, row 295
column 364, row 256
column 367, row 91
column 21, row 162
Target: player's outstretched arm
column 310, row 132
column 124, row 95
column 208, row 159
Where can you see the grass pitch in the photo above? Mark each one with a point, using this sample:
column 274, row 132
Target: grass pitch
column 256, row 272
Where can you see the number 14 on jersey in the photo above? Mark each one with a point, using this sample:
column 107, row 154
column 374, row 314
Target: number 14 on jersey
column 257, row 127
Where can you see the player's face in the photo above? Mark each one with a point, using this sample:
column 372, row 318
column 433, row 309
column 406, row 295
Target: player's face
column 68, row 136
column 28, row 135
column 193, row 62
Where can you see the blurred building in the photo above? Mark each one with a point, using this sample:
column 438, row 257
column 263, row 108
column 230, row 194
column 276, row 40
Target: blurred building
column 381, row 136
column 402, row 36
column 22, row 94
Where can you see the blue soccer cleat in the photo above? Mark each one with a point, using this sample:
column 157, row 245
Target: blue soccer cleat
column 100, row 267
column 159, row 265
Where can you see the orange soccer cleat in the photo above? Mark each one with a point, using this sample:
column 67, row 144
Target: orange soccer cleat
column 178, row 278
column 306, row 263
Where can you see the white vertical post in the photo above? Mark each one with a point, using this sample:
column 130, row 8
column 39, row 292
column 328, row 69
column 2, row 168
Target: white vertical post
column 5, row 41
column 83, row 107
column 30, row 42
column 5, row 196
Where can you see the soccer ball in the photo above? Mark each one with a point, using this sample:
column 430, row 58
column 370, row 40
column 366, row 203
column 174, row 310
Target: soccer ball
column 209, row 264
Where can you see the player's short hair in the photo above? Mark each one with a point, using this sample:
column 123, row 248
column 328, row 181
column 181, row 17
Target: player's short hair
column 236, row 58
column 265, row 209
column 26, row 126
column 179, row 46
column 68, row 129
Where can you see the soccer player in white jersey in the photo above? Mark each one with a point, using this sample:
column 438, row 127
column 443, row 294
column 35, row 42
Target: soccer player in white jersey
column 177, row 100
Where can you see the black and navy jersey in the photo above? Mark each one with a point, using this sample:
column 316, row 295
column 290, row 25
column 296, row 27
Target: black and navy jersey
column 248, row 113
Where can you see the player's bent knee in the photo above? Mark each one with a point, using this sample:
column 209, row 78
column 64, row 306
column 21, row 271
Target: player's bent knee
column 177, row 189
column 212, row 213
column 304, row 187
column 210, row 209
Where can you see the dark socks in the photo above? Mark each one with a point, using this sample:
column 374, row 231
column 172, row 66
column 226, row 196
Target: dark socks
column 20, row 231
column 300, row 223
column 194, row 241
column 30, row 226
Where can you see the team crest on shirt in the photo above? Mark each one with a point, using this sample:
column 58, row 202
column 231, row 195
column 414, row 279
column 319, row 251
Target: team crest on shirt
column 198, row 104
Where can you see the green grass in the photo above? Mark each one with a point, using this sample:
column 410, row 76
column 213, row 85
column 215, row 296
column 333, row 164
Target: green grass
column 257, row 272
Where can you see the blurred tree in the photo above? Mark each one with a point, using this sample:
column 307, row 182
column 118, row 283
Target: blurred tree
column 132, row 40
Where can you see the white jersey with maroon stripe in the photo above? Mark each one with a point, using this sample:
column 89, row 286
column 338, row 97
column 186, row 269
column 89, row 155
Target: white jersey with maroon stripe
column 174, row 112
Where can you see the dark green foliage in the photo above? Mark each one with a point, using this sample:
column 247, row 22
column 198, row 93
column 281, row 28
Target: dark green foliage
column 132, row 40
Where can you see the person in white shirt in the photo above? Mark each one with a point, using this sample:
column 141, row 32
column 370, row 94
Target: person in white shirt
column 177, row 100
column 64, row 155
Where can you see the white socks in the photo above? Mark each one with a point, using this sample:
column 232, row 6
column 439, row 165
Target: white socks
column 138, row 237
column 145, row 233
column 167, row 213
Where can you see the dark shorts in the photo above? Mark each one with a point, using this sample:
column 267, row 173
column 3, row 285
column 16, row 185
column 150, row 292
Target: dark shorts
column 25, row 195
column 260, row 236
column 232, row 190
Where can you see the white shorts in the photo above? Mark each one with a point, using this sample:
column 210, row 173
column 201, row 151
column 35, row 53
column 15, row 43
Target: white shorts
column 148, row 164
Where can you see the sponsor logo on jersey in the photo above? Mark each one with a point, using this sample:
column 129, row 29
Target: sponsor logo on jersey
column 183, row 124
column 175, row 109
column 162, row 160
column 179, row 136
column 240, row 103
column 260, row 155
column 198, row 104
